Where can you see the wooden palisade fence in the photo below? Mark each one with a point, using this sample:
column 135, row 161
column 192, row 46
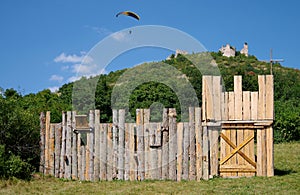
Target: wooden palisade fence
column 217, row 140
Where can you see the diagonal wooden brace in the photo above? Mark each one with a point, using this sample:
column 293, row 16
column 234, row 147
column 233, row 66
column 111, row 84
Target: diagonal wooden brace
column 237, row 150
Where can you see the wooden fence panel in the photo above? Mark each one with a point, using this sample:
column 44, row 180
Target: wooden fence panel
column 168, row 150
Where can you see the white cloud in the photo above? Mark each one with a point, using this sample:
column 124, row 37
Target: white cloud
column 56, row 78
column 80, row 65
column 74, row 78
column 83, row 69
column 53, row 89
column 63, row 68
column 119, row 36
column 69, row 58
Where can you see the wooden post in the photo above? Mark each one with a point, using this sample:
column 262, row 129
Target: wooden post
column 110, row 152
column 133, row 165
column 79, row 157
column 91, row 144
column 165, row 145
column 214, row 141
column 121, row 144
column 127, row 153
column 205, row 154
column 51, row 149
column 97, row 146
column 254, row 105
column 42, row 142
column 186, row 143
column 103, row 151
column 199, row 144
column 153, row 158
column 140, row 144
column 115, row 142
column 58, row 130
column 63, row 146
column 47, row 142
column 172, row 143
column 68, row 159
column 74, row 148
column 254, row 116
column 192, row 147
column 83, row 163
column 179, row 150
column 225, row 148
column 269, row 130
column 248, row 149
column 207, row 98
column 261, row 134
column 146, row 142
column 233, row 138
column 238, row 113
column 238, row 97
column 149, row 158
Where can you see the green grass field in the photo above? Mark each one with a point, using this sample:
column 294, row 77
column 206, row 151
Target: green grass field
column 285, row 181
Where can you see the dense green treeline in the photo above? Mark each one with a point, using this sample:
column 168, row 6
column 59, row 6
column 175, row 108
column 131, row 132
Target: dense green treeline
column 139, row 87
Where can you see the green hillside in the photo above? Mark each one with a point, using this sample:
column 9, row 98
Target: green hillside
column 19, row 117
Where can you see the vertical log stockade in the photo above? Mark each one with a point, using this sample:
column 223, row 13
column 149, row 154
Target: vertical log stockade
column 218, row 139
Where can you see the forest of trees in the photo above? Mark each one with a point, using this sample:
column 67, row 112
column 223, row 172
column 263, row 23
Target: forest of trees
column 19, row 114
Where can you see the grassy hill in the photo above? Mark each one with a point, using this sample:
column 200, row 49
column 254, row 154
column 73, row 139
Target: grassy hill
column 145, row 93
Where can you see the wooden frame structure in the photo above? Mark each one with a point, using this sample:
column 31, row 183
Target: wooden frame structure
column 218, row 139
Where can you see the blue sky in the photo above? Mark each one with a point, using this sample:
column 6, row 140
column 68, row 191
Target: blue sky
column 43, row 41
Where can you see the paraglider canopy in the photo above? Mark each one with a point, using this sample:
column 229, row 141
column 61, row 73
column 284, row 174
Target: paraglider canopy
column 129, row 13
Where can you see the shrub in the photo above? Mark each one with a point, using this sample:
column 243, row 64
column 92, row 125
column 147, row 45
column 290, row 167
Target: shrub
column 16, row 167
column 287, row 121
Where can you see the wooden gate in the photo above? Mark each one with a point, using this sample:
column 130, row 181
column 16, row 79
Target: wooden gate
column 241, row 115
